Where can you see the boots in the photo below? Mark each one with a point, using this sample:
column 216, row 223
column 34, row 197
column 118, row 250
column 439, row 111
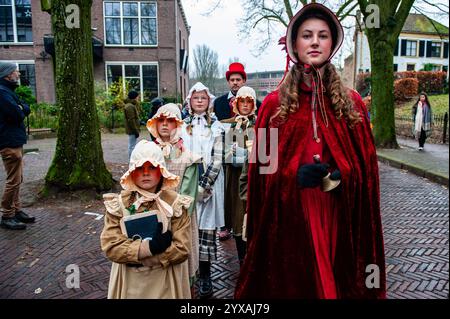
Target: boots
column 205, row 287
column 241, row 247
column 12, row 223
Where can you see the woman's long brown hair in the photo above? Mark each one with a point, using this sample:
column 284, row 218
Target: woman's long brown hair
column 335, row 90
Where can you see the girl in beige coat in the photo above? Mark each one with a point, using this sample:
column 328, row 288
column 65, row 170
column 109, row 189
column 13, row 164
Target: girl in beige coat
column 148, row 268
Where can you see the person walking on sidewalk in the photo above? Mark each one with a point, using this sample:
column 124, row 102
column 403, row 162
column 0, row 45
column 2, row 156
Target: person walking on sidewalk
column 314, row 222
column 422, row 118
column 132, row 120
column 12, row 138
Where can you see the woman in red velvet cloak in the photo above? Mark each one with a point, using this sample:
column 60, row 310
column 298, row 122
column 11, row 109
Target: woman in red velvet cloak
column 305, row 241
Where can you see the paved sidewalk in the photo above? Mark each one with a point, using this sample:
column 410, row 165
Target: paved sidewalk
column 431, row 163
column 415, row 219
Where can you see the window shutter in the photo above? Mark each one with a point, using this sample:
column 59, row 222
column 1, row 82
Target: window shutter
column 396, row 49
column 403, row 52
column 429, row 48
column 445, row 50
column 422, row 48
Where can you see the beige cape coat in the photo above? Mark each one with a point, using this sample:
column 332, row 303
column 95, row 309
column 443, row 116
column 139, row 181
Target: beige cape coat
column 168, row 277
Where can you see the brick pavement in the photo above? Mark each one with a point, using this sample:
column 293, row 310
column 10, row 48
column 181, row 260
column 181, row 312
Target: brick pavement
column 415, row 219
column 33, row 262
column 431, row 163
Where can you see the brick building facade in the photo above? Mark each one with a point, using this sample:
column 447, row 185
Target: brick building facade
column 145, row 42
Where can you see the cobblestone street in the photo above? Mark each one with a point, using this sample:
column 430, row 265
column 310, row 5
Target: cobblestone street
column 415, row 217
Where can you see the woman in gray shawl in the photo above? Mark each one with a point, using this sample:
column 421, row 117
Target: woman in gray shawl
column 422, row 119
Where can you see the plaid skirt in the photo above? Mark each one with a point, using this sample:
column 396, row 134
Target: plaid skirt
column 207, row 245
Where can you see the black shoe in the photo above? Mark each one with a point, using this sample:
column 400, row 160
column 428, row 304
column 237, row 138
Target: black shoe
column 206, row 288
column 24, row 217
column 12, row 223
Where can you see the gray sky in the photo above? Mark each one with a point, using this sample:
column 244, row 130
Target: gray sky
column 219, row 31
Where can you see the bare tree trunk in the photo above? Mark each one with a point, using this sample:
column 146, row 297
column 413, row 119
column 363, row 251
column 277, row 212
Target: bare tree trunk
column 78, row 161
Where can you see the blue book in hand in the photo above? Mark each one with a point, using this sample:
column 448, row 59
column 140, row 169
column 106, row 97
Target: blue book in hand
column 140, row 226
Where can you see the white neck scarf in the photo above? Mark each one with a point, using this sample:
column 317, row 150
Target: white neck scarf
column 167, row 147
column 240, row 120
column 419, row 118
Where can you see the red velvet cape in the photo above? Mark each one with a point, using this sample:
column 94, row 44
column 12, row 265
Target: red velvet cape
column 280, row 261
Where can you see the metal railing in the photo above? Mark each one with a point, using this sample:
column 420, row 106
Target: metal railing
column 440, row 122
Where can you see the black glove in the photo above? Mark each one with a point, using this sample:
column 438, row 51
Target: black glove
column 311, row 175
column 161, row 241
column 336, row 175
column 136, row 135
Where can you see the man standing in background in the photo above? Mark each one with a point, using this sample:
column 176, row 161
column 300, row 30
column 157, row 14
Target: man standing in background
column 12, row 138
column 236, row 78
column 132, row 120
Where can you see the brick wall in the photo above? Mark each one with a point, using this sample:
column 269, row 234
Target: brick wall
column 166, row 53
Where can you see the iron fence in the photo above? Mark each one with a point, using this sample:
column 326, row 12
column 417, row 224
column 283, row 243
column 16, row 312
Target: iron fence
column 439, row 123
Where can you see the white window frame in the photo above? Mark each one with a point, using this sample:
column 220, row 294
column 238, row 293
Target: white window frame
column 14, row 18
column 441, row 52
column 141, row 64
column 139, row 25
column 417, row 48
column 17, row 62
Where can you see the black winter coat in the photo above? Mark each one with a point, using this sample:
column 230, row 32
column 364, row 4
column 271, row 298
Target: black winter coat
column 12, row 114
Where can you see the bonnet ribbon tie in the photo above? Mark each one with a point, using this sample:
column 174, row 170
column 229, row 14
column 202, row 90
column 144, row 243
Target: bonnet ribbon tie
column 241, row 120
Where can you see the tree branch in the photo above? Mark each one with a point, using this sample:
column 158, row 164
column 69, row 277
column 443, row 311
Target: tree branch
column 363, row 6
column 345, row 15
column 268, row 18
column 441, row 35
column 402, row 14
column 342, row 8
column 213, row 8
column 288, row 8
column 276, row 15
column 437, row 6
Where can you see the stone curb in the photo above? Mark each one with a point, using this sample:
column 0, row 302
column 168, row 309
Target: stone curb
column 29, row 150
column 417, row 170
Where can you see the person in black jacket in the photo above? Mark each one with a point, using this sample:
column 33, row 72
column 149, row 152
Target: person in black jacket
column 12, row 138
column 236, row 78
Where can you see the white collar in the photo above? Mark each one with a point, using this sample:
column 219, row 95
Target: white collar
column 199, row 119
